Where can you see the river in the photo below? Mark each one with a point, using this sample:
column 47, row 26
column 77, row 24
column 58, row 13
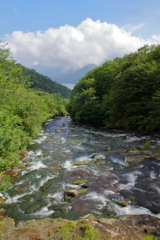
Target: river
column 68, row 156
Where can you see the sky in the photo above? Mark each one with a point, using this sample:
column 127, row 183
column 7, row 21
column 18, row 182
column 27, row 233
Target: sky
column 75, row 33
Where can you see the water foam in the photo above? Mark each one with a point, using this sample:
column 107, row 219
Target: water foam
column 95, row 156
column 34, row 166
column 99, row 199
column 68, row 186
column 131, row 177
column 42, row 181
column 152, row 175
column 134, row 138
column 16, row 198
column 131, row 210
column 41, row 138
column 43, row 212
column 63, row 140
column 58, row 197
column 38, row 152
column 118, row 160
column 156, row 188
column 68, row 165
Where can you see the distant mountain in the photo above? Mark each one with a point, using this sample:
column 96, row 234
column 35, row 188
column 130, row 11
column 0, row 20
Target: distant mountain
column 59, row 76
column 44, row 83
column 48, row 71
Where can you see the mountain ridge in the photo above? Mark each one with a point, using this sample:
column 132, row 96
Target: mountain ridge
column 57, row 74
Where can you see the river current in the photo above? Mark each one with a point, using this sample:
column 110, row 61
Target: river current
column 91, row 163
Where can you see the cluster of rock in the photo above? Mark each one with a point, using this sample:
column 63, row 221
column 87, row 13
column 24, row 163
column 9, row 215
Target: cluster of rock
column 139, row 227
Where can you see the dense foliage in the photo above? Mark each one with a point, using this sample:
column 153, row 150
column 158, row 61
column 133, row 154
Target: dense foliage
column 22, row 110
column 44, row 83
column 123, row 93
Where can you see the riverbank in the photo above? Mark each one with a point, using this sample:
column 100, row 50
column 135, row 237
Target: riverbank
column 141, row 227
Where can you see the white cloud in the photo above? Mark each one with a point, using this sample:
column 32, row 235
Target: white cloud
column 74, row 47
column 131, row 28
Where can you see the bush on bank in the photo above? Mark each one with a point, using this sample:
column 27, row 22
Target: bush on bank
column 22, row 110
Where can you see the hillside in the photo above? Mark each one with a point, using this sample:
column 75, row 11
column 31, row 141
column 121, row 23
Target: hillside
column 123, row 93
column 44, row 83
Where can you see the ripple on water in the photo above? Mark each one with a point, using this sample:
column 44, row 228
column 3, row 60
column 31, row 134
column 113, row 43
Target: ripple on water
column 44, row 212
column 98, row 199
column 93, row 157
column 131, row 210
column 153, row 175
column 130, row 180
column 16, row 198
column 58, row 197
column 40, row 139
column 117, row 158
column 35, row 185
column 34, row 166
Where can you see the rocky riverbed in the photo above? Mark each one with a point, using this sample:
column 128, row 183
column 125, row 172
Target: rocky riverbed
column 73, row 171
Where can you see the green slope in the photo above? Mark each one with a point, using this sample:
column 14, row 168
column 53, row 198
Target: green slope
column 123, row 93
column 44, row 83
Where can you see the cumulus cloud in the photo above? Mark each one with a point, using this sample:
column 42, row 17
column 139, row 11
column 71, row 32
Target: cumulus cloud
column 74, row 47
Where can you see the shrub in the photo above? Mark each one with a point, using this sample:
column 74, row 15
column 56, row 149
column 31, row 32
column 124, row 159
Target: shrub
column 146, row 145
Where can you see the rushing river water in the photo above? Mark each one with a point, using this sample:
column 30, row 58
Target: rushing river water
column 92, row 162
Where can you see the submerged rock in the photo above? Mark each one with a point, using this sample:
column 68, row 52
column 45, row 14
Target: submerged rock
column 70, row 194
column 59, row 130
column 2, row 198
column 79, row 173
column 123, row 202
column 23, row 154
column 132, row 159
column 2, row 212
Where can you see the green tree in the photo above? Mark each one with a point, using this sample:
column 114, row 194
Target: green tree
column 122, row 93
column 22, row 109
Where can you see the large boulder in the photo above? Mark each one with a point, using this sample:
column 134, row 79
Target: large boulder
column 68, row 194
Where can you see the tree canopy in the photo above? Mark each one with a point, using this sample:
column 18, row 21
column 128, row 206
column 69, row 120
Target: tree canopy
column 44, row 83
column 123, row 93
column 22, row 109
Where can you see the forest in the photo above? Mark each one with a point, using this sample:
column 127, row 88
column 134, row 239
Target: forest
column 44, row 83
column 23, row 110
column 123, row 93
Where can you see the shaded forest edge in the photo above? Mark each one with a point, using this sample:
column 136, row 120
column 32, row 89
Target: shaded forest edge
column 22, row 111
column 123, row 93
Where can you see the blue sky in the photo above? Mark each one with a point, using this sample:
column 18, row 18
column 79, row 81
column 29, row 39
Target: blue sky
column 35, row 15
column 29, row 21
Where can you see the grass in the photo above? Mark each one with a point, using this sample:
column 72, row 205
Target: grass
column 148, row 237
column 79, row 163
column 83, row 190
column 78, row 182
column 90, row 233
column 75, row 230
column 5, row 182
column 146, row 145
column 66, row 231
